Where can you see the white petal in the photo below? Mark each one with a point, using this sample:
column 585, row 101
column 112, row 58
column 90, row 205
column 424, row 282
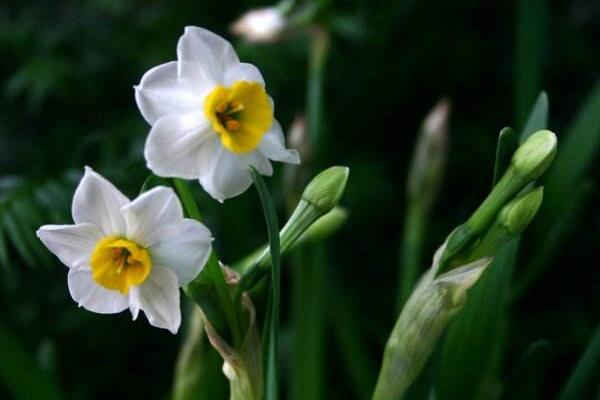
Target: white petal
column 158, row 297
column 223, row 174
column 204, row 56
column 91, row 296
column 173, row 146
column 242, row 72
column 259, row 161
column 273, row 146
column 72, row 244
column 184, row 248
column 99, row 202
column 161, row 93
column 149, row 213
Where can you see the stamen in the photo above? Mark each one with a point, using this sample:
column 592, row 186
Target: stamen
column 235, row 106
column 221, row 107
column 232, row 125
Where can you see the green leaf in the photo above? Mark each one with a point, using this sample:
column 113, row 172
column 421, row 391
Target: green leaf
column 585, row 373
column 563, row 190
column 531, row 38
column 554, row 231
column 538, row 117
column 153, row 181
column 507, row 144
column 21, row 375
column 526, row 380
column 576, row 153
column 271, row 339
column 18, row 238
column 468, row 350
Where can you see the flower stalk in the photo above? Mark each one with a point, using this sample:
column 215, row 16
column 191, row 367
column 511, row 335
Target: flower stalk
column 423, row 184
column 320, row 196
column 422, row 321
column 528, row 163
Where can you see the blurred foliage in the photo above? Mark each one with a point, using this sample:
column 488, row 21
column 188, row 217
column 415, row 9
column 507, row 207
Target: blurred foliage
column 67, row 101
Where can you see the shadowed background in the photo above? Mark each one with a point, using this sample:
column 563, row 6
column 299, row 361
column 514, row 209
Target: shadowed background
column 66, row 101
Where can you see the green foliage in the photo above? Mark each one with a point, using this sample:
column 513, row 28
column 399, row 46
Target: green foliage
column 20, row 373
column 525, row 381
column 271, row 327
column 24, row 207
column 585, row 372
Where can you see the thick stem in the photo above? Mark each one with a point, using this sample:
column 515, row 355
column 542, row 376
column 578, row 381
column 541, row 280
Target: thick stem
column 412, row 248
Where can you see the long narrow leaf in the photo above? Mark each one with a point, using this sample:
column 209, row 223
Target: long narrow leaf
column 526, row 380
column 531, row 34
column 271, row 344
column 467, row 350
column 538, row 117
column 578, row 385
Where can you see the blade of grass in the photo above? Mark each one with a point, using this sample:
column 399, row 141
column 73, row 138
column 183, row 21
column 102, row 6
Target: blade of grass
column 579, row 384
column 20, row 373
column 507, row 144
column 530, row 47
column 358, row 362
column 526, row 380
column 538, row 117
column 559, row 228
column 271, row 342
column 308, row 312
column 564, row 189
column 576, row 153
column 467, row 350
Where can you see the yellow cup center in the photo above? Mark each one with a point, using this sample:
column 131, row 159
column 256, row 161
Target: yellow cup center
column 118, row 264
column 240, row 114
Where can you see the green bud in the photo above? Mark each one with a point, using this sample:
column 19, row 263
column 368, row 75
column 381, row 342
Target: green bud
column 534, row 156
column 320, row 196
column 429, row 158
column 326, row 189
column 517, row 214
column 429, row 309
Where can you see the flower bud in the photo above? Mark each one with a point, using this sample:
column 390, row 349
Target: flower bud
column 429, row 309
column 427, row 166
column 326, row 189
column 534, row 156
column 517, row 214
column 262, row 25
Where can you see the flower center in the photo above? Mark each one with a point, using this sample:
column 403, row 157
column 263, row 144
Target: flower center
column 118, row 264
column 240, row 114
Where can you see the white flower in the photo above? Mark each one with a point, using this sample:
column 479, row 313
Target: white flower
column 262, row 25
column 128, row 254
column 211, row 117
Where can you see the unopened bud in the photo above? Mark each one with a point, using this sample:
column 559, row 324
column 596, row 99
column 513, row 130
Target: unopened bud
column 517, row 214
column 429, row 309
column 326, row 189
column 262, row 25
column 427, row 166
column 534, row 156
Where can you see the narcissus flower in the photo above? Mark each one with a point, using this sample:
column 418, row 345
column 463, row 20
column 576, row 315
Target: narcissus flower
column 128, row 254
column 211, row 117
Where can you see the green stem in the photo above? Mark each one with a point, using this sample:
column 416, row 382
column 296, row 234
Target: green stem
column 212, row 267
column 412, row 247
column 272, row 348
column 314, row 95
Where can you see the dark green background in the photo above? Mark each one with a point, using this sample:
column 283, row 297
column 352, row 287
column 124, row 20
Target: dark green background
column 66, row 100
